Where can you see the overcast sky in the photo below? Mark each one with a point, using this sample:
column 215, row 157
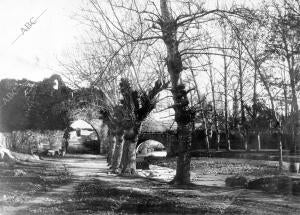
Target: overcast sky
column 34, row 55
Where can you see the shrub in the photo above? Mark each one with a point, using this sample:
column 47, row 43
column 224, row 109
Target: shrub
column 31, row 141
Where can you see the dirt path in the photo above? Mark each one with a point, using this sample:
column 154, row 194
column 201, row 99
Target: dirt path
column 92, row 190
column 81, row 167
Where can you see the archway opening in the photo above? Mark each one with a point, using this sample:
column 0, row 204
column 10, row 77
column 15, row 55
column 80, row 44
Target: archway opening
column 151, row 148
column 81, row 138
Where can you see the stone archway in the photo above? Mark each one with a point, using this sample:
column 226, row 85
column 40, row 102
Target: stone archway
column 167, row 139
column 152, row 148
column 102, row 132
column 98, row 127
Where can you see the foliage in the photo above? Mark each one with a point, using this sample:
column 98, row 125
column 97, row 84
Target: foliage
column 47, row 105
column 14, row 107
column 34, row 105
column 32, row 141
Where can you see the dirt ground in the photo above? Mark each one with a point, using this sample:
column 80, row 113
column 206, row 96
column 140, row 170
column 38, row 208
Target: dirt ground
column 81, row 184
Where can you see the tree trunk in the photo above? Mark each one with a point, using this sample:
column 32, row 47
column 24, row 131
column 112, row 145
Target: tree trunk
column 226, row 104
column 129, row 150
column 280, row 153
column 254, row 105
column 184, row 158
column 111, row 149
column 295, row 116
column 206, row 136
column 241, row 92
column 258, row 142
column 218, row 135
column 117, row 156
column 124, row 153
column 241, row 84
column 294, row 105
column 235, row 111
column 285, row 101
column 245, row 139
column 267, row 87
column 183, row 115
column 215, row 120
column 202, row 112
column 104, row 138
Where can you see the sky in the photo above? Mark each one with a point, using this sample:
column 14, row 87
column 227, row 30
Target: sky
column 35, row 54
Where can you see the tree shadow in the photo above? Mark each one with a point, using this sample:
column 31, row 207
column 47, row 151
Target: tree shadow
column 106, row 196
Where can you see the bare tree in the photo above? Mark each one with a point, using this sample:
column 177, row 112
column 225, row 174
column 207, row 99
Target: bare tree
column 202, row 108
column 241, row 65
column 284, row 28
column 177, row 27
column 226, row 47
column 137, row 105
column 214, row 106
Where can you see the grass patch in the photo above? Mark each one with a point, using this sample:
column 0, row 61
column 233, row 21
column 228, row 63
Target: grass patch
column 223, row 166
column 19, row 183
column 97, row 195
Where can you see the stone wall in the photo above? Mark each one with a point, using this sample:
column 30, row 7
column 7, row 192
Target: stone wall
column 30, row 141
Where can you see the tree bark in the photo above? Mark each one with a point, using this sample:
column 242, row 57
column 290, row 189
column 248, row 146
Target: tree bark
column 258, row 142
column 112, row 145
column 285, row 101
column 184, row 158
column 294, row 105
column 182, row 112
column 295, row 116
column 280, row 151
column 226, row 104
column 104, row 138
column 254, row 99
column 117, row 156
column 202, row 112
column 215, row 120
column 241, row 68
column 245, row 139
column 241, row 84
column 129, row 150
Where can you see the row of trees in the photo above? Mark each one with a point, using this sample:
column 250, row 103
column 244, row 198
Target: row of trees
column 242, row 73
column 258, row 78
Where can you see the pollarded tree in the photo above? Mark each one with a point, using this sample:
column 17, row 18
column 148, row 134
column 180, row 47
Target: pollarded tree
column 137, row 105
column 114, row 118
column 103, row 71
column 98, row 67
column 177, row 28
